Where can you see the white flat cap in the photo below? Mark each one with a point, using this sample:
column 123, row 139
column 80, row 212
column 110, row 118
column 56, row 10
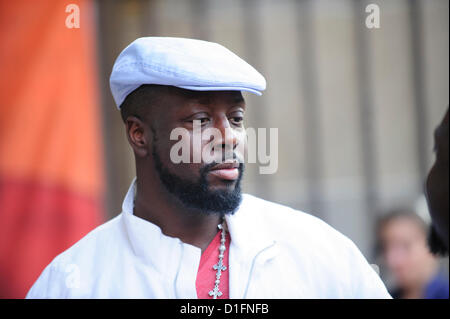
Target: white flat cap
column 185, row 63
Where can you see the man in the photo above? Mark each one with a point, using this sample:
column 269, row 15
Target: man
column 186, row 231
column 436, row 190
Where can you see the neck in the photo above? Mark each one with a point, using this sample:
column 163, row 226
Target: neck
column 154, row 204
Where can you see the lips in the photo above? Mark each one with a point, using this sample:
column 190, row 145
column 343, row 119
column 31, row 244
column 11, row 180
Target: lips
column 228, row 171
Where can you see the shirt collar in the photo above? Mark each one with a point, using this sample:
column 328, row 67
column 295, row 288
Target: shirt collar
column 149, row 243
column 247, row 230
column 248, row 234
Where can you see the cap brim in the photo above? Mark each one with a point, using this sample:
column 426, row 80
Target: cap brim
column 220, row 88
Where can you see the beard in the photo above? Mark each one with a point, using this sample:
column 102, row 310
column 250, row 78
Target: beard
column 198, row 195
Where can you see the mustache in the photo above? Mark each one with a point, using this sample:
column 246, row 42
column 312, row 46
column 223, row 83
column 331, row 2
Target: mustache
column 226, row 158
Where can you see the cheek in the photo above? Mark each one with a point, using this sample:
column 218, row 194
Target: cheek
column 179, row 146
column 186, row 169
column 162, row 147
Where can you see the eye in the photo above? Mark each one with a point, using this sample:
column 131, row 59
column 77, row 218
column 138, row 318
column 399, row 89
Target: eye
column 237, row 120
column 202, row 120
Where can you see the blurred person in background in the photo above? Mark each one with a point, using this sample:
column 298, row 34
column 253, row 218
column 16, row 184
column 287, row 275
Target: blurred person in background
column 402, row 244
column 436, row 190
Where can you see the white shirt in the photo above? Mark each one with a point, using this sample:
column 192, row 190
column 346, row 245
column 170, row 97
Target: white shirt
column 275, row 252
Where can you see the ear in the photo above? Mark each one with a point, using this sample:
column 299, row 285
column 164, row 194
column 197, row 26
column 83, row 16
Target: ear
column 139, row 136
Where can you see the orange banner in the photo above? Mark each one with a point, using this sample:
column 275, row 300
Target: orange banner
column 51, row 174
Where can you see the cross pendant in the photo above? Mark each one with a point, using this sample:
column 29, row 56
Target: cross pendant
column 219, row 267
column 215, row 292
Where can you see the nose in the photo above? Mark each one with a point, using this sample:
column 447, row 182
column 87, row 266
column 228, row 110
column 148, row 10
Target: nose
column 228, row 139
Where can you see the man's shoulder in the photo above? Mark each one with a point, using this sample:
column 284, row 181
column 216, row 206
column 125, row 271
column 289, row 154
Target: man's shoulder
column 100, row 238
column 94, row 250
column 277, row 214
column 291, row 223
column 306, row 242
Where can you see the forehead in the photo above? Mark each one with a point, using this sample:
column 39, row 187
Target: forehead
column 401, row 227
column 204, row 97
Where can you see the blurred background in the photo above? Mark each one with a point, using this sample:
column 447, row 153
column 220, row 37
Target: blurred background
column 355, row 110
